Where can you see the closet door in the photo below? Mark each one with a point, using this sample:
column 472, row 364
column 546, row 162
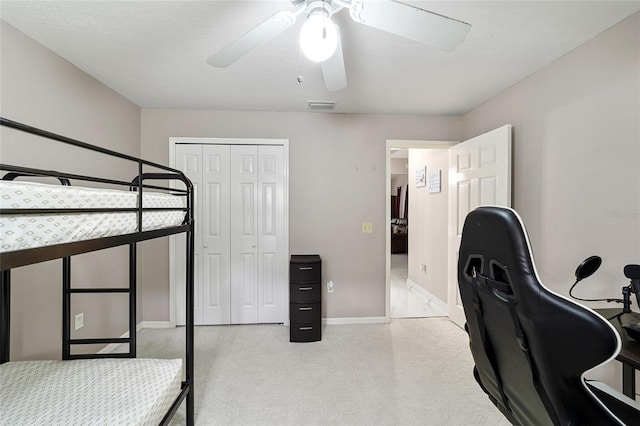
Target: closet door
column 189, row 161
column 259, row 284
column 208, row 168
column 244, row 234
column 240, row 260
column 272, row 288
column 214, row 225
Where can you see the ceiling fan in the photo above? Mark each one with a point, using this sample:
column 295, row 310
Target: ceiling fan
column 320, row 38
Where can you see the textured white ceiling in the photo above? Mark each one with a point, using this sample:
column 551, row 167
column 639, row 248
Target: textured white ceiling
column 154, row 52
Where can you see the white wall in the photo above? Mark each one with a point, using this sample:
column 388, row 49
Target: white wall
column 337, row 180
column 577, row 159
column 428, row 224
column 43, row 90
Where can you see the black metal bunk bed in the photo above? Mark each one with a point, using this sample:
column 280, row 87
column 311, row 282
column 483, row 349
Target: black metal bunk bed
column 22, row 257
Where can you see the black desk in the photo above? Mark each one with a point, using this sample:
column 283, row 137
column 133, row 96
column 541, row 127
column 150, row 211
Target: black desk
column 629, row 355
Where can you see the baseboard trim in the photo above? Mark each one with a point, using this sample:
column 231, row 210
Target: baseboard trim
column 433, row 300
column 354, row 320
column 154, row 324
column 113, row 346
column 141, row 325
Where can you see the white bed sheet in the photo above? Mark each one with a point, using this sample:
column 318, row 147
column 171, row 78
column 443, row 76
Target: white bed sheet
column 29, row 231
column 110, row 392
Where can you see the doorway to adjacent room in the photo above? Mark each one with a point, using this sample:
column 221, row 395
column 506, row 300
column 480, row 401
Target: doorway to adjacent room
column 407, row 296
column 445, row 181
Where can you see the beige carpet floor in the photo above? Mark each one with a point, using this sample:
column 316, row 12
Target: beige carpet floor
column 408, row 372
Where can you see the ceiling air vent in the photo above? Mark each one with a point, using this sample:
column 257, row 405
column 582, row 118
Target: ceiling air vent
column 321, row 105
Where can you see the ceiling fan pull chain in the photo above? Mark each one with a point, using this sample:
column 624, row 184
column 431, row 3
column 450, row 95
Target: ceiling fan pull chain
column 300, row 77
column 324, row 22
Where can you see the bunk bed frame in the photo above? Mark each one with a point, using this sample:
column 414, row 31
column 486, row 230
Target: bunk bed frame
column 64, row 251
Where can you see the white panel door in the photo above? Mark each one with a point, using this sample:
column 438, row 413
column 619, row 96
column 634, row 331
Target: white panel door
column 188, row 159
column 479, row 174
column 214, row 224
column 272, row 295
column 244, row 234
column 240, row 251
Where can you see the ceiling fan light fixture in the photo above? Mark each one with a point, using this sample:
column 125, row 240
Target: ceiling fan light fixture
column 318, row 37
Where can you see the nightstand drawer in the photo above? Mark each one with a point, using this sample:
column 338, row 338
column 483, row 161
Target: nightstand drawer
column 304, row 312
column 304, row 293
column 305, row 332
column 305, row 269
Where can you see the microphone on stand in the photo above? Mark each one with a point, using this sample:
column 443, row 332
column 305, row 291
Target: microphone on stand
column 633, row 273
column 591, row 265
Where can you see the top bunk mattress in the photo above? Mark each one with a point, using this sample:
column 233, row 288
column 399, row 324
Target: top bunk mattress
column 31, row 231
column 133, row 391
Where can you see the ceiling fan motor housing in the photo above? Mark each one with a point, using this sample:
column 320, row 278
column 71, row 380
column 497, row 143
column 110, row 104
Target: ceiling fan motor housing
column 327, row 7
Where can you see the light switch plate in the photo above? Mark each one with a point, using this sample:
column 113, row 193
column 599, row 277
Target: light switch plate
column 367, row 227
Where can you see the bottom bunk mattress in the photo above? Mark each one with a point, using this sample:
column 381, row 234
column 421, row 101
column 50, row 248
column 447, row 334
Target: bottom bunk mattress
column 132, row 391
column 36, row 230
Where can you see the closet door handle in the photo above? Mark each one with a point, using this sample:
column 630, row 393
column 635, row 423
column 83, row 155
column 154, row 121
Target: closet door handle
column 253, row 245
column 205, row 245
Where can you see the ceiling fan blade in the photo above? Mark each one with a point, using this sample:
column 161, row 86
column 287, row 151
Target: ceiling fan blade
column 411, row 22
column 333, row 71
column 261, row 34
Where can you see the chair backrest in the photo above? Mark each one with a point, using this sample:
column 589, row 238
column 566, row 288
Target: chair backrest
column 530, row 345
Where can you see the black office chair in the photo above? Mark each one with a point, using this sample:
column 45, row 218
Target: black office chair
column 531, row 346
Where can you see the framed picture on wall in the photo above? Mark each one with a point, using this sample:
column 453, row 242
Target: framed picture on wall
column 421, row 173
column 434, row 181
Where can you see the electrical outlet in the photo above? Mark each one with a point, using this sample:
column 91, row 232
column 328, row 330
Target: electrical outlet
column 80, row 320
column 367, row 227
column 330, row 286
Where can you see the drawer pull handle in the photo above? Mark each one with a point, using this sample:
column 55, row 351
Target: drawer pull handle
column 305, row 288
column 306, row 268
column 305, row 309
column 306, row 328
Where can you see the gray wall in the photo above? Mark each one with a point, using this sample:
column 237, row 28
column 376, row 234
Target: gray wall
column 41, row 89
column 576, row 161
column 336, row 181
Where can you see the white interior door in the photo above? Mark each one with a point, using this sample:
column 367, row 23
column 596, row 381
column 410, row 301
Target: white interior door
column 244, row 234
column 272, row 296
column 479, row 174
column 188, row 159
column 215, row 213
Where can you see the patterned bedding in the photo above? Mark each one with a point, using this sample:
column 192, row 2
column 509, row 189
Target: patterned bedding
column 29, row 231
column 88, row 392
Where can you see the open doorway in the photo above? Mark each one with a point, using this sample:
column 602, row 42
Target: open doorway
column 416, row 274
column 480, row 173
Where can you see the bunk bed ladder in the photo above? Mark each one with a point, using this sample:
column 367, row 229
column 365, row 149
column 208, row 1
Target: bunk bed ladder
column 68, row 291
